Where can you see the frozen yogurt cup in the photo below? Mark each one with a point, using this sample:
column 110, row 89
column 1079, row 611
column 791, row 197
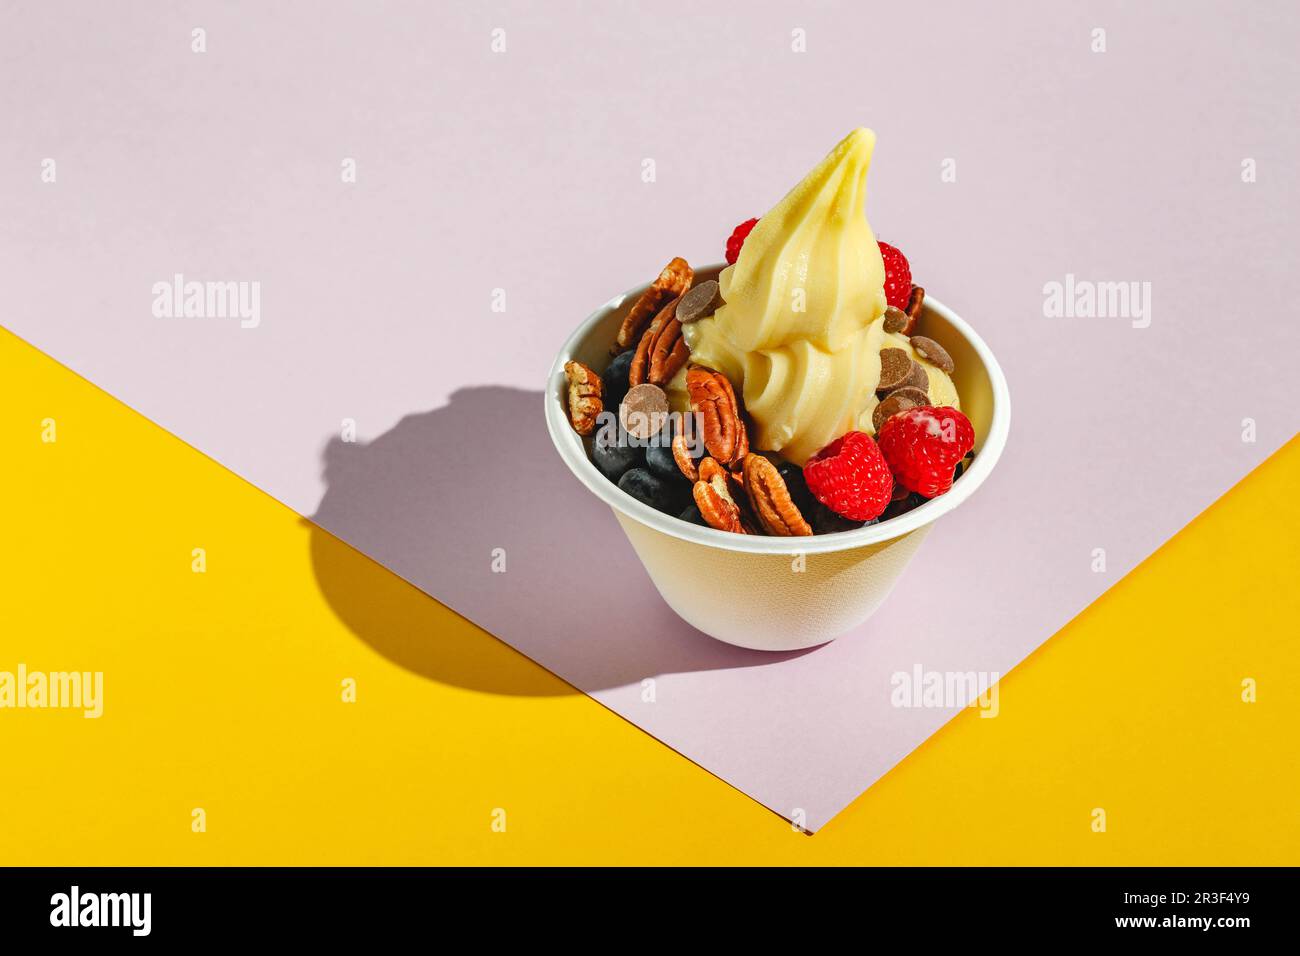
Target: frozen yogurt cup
column 780, row 593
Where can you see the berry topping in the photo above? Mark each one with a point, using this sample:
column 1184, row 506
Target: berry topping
column 613, row 456
column 649, row 488
column 659, row 459
column 738, row 238
column 825, row 521
column 850, row 477
column 923, row 446
column 898, row 275
column 615, row 380
column 692, row 515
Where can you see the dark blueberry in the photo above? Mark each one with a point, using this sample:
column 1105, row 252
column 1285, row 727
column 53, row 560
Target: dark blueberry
column 611, row 455
column 647, row 487
column 615, row 379
column 798, row 488
column 902, row 507
column 659, row 459
column 825, row 521
column 692, row 515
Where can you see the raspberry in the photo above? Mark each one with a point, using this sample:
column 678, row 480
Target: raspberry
column 850, row 477
column 923, row 445
column 737, row 239
column 898, row 276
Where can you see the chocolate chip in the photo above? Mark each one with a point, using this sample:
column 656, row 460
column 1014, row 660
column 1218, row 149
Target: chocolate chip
column 918, row 378
column 644, row 411
column 896, row 319
column 933, row 352
column 700, row 302
column 895, row 367
column 917, row 396
column 899, row 400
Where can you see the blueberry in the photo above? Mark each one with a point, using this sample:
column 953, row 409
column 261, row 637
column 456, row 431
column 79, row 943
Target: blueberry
column 659, row 459
column 897, row 508
column 825, row 521
column 615, row 379
column 692, row 515
column 798, row 488
column 963, row 466
column 649, row 488
column 611, row 456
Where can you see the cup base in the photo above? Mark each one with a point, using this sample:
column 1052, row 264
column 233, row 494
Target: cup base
column 771, row 602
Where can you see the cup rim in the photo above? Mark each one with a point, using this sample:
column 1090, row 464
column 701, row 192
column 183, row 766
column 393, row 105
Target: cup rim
column 561, row 432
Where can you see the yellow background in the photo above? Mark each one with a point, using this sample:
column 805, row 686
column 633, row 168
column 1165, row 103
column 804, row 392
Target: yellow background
column 223, row 691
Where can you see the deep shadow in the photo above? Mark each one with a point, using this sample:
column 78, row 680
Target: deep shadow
column 433, row 497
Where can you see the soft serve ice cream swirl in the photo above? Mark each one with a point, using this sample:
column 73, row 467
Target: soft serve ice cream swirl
column 802, row 328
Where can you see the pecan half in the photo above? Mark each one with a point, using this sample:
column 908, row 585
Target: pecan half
column 710, row 470
column 714, row 400
column 662, row 350
column 668, row 354
column 673, row 281
column 914, row 302
column 682, row 455
column 585, row 391
column 771, row 500
column 713, row 498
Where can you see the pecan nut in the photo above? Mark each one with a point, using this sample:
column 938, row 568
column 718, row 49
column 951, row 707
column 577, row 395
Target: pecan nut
column 770, row 499
column 662, row 350
column 673, row 281
column 915, row 299
column 668, row 354
column 585, row 397
column 714, row 400
column 713, row 498
column 682, row 455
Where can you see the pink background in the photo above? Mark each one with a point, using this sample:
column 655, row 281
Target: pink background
column 522, row 171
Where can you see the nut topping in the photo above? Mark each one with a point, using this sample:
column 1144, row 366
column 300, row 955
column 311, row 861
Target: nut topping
column 673, row 281
column 914, row 302
column 771, row 499
column 682, row 455
column 585, row 391
column 713, row 498
column 662, row 351
column 714, row 400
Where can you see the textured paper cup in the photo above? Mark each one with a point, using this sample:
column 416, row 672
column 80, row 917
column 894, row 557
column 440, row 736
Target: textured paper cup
column 780, row 594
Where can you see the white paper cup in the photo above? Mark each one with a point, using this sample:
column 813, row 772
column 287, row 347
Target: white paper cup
column 768, row 593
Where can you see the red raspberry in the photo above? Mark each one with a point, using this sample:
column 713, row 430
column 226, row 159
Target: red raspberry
column 898, row 276
column 850, row 477
column 738, row 237
column 923, row 446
